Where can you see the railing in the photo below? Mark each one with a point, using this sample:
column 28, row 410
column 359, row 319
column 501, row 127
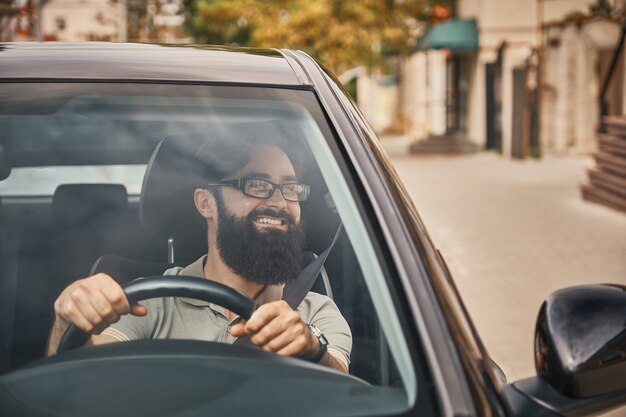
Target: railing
column 604, row 106
column 606, row 182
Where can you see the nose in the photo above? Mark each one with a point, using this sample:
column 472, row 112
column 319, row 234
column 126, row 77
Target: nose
column 277, row 200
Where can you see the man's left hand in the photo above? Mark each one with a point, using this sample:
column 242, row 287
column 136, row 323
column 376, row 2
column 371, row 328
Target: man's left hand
column 276, row 327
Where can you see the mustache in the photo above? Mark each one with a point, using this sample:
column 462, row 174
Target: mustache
column 282, row 214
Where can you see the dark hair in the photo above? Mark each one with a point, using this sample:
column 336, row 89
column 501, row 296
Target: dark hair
column 231, row 148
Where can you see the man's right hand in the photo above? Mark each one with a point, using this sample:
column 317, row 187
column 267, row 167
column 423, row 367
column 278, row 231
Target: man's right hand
column 92, row 304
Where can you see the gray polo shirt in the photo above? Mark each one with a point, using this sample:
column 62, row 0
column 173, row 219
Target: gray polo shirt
column 184, row 318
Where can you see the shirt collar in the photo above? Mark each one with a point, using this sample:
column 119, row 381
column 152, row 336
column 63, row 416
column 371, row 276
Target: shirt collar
column 196, row 269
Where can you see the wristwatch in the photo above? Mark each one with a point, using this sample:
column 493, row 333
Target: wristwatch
column 323, row 343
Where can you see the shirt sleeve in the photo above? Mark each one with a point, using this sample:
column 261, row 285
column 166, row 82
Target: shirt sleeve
column 322, row 312
column 131, row 327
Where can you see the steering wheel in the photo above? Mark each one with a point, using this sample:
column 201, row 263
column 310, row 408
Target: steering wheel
column 171, row 286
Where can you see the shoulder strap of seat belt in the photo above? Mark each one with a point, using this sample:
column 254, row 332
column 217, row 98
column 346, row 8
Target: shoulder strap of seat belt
column 295, row 293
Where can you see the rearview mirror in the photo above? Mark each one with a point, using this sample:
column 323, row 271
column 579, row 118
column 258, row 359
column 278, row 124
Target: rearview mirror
column 580, row 340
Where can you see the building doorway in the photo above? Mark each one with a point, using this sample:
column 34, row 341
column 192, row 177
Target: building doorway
column 494, row 106
column 457, row 93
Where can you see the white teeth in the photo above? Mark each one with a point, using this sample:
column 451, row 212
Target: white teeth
column 269, row 221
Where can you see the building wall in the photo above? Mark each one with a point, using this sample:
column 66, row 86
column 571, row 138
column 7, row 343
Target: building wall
column 477, row 108
column 515, row 21
column 378, row 99
column 521, row 29
column 423, row 77
column 572, row 84
column 436, row 90
column 106, row 20
column 83, row 20
column 414, row 87
column 569, row 100
column 418, row 106
column 500, row 20
column 513, row 58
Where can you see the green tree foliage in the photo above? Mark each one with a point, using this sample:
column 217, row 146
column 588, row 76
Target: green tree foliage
column 341, row 33
column 601, row 7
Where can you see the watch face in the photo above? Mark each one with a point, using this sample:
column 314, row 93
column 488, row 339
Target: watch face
column 318, row 333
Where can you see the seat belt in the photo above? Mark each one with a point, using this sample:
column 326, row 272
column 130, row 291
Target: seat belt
column 295, row 293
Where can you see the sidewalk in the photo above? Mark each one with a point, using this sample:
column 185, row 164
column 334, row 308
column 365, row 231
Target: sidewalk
column 512, row 232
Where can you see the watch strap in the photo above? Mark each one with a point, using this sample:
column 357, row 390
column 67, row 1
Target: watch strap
column 323, row 344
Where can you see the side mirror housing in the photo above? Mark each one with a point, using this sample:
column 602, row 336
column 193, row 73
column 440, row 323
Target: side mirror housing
column 580, row 340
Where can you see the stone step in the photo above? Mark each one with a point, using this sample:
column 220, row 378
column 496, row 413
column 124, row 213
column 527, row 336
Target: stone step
column 611, row 163
column 444, row 145
column 616, row 124
column 601, row 196
column 607, row 181
column 614, row 144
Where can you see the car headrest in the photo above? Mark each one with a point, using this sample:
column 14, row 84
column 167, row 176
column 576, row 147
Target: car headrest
column 166, row 205
column 179, row 164
column 74, row 204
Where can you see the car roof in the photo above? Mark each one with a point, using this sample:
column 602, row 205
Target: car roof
column 135, row 61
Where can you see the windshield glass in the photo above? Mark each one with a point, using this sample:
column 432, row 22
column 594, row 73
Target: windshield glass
column 189, row 179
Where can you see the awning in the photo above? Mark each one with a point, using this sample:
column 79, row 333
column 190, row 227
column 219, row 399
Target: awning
column 453, row 34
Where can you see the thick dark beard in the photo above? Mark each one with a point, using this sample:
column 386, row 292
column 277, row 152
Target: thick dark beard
column 266, row 257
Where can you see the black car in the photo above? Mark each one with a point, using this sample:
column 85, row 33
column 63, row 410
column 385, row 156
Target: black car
column 95, row 144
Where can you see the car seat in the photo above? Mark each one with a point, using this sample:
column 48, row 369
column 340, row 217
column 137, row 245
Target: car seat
column 85, row 220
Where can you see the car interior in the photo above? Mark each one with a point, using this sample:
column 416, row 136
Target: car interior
column 86, row 225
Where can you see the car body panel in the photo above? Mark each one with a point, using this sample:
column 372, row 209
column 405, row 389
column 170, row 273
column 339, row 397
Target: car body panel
column 144, row 62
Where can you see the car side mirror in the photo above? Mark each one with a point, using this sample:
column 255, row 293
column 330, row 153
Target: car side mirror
column 580, row 340
column 5, row 162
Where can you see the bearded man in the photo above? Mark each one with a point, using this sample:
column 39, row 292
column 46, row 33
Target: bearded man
column 250, row 200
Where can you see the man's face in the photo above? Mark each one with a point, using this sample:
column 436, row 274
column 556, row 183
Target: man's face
column 261, row 239
column 271, row 164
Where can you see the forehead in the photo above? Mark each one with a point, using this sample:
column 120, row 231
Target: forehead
column 269, row 162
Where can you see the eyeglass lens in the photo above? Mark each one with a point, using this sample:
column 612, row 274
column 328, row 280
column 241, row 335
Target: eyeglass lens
column 264, row 189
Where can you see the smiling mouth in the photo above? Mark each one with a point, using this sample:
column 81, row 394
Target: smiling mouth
column 266, row 221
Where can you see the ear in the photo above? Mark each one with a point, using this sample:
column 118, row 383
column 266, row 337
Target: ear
column 205, row 203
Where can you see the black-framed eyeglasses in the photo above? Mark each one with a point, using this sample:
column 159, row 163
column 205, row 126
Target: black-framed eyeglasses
column 258, row 188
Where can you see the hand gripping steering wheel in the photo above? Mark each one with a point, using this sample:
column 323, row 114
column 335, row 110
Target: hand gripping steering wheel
column 171, row 286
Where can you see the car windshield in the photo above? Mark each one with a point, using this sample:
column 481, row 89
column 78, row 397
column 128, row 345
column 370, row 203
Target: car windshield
column 108, row 171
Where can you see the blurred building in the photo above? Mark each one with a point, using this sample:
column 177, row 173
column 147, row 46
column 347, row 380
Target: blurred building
column 520, row 77
column 91, row 20
column 577, row 55
column 79, row 20
column 8, row 11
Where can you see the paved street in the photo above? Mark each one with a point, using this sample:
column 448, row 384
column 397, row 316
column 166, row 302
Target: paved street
column 512, row 232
